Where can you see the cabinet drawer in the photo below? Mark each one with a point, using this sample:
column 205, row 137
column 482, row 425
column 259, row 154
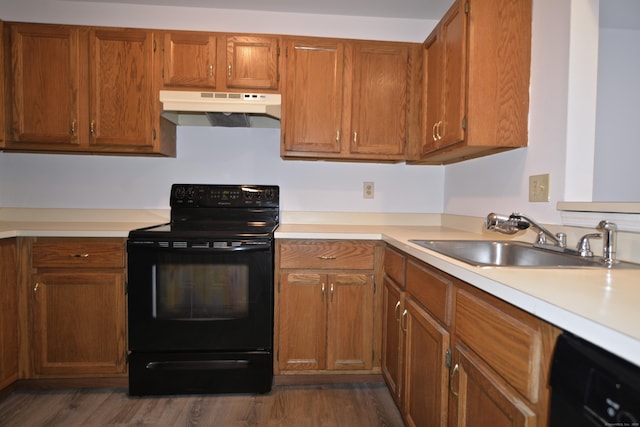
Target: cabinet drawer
column 394, row 263
column 431, row 289
column 323, row 254
column 511, row 347
column 62, row 253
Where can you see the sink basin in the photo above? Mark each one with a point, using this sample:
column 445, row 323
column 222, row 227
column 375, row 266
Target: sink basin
column 485, row 253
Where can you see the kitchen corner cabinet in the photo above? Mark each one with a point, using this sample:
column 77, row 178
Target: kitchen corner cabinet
column 325, row 306
column 8, row 313
column 347, row 99
column 77, row 299
column 466, row 357
column 476, row 84
column 218, row 62
column 84, row 89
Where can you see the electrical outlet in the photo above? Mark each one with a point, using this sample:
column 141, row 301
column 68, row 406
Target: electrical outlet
column 367, row 190
column 539, row 188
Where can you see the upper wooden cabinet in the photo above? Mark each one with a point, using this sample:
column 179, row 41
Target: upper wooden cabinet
column 213, row 61
column 252, row 62
column 84, row 89
column 347, row 99
column 476, row 85
column 189, row 60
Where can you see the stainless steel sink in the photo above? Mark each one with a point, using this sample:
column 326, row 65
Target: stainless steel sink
column 485, row 253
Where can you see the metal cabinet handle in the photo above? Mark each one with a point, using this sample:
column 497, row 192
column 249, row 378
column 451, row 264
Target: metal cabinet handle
column 433, row 131
column 229, row 71
column 210, row 70
column 92, row 127
column 396, row 312
column 403, row 321
column 327, row 257
column 438, row 135
column 322, row 288
column 453, row 373
column 79, row 256
column 338, row 135
column 36, row 286
column 355, row 137
column 73, row 128
column 331, row 292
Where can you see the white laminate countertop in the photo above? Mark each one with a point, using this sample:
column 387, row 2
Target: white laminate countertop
column 596, row 304
column 599, row 305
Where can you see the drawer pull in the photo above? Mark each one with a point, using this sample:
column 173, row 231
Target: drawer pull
column 79, row 256
column 327, row 257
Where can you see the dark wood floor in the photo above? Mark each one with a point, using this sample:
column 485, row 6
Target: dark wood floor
column 351, row 405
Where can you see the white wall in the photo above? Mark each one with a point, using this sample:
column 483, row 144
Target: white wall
column 617, row 154
column 215, row 156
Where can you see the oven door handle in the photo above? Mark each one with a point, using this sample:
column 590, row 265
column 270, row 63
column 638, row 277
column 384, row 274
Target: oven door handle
column 191, row 365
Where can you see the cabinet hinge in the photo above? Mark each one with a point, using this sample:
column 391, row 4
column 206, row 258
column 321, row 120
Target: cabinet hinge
column 447, row 358
column 154, row 134
column 464, row 123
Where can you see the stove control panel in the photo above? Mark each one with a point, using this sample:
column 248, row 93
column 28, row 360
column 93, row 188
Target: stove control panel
column 209, row 196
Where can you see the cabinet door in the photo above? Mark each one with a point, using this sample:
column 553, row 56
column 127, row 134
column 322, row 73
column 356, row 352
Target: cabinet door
column 392, row 343
column 302, row 321
column 189, row 60
column 313, row 97
column 445, row 81
column 8, row 313
column 46, row 70
column 252, row 62
column 79, row 323
column 426, row 375
column 483, row 399
column 121, row 63
column 379, row 84
column 350, row 322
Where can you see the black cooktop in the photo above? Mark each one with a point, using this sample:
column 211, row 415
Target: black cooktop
column 205, row 211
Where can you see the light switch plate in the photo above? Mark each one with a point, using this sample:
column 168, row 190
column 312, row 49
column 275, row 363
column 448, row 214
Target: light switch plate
column 539, row 188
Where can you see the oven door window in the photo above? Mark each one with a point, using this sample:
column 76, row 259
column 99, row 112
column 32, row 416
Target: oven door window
column 200, row 291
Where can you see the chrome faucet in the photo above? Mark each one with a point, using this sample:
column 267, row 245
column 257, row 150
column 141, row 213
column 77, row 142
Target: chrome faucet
column 609, row 230
column 516, row 222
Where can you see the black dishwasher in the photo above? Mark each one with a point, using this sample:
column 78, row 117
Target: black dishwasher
column 592, row 387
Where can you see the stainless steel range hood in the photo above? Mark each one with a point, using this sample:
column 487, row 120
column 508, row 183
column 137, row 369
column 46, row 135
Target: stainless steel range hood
column 221, row 102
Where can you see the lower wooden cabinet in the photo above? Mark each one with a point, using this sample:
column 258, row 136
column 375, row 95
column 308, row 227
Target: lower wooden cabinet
column 467, row 358
column 8, row 313
column 425, row 371
column 326, row 303
column 77, row 299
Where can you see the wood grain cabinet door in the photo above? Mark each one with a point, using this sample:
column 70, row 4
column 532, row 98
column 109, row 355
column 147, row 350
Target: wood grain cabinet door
column 380, row 83
column 302, row 332
column 252, row 62
column 350, row 321
column 313, row 98
column 79, row 323
column 46, row 80
column 121, row 104
column 8, row 313
column 426, row 375
column 189, row 60
column 483, row 398
column 392, row 342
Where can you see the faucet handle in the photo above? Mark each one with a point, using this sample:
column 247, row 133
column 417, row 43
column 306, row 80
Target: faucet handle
column 584, row 248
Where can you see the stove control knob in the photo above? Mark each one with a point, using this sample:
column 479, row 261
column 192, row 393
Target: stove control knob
column 180, row 192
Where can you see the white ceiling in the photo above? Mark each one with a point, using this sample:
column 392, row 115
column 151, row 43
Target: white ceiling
column 411, row 9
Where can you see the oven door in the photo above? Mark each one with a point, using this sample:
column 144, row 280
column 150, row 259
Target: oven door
column 200, row 299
